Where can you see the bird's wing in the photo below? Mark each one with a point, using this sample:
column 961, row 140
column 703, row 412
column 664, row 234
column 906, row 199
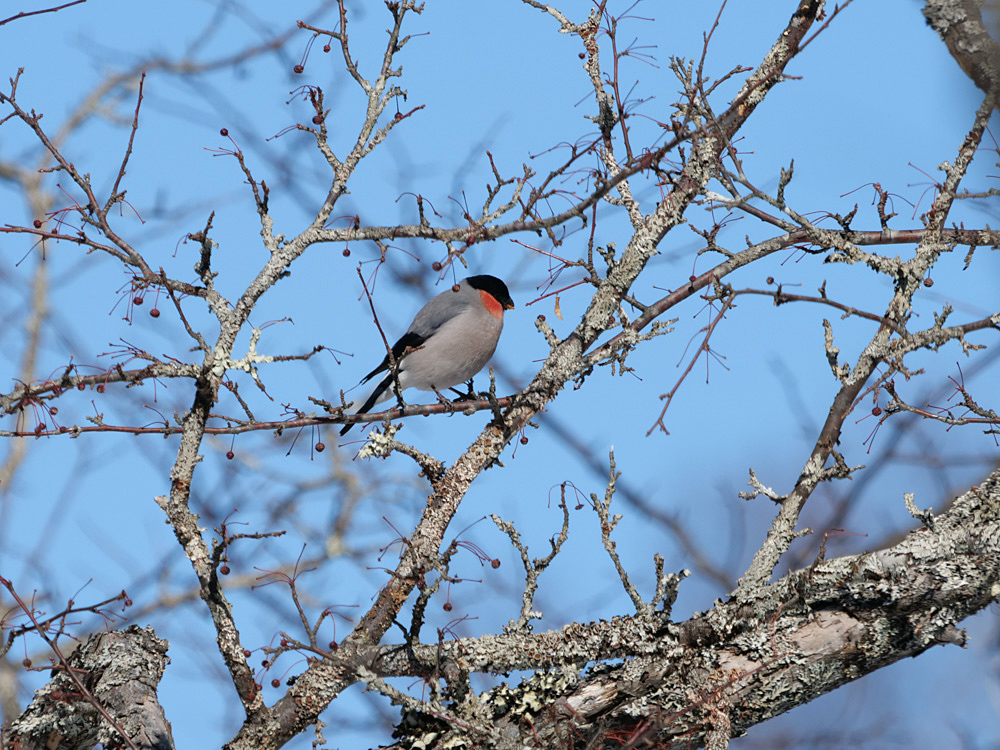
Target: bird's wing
column 438, row 311
column 408, row 340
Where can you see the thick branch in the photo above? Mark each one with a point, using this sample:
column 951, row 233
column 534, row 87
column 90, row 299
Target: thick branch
column 806, row 635
column 122, row 670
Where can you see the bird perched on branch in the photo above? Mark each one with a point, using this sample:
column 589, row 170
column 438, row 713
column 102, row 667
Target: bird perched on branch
column 449, row 341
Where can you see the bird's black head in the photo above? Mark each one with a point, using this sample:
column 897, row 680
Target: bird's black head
column 493, row 286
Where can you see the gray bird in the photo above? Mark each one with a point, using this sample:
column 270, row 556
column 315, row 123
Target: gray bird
column 449, row 341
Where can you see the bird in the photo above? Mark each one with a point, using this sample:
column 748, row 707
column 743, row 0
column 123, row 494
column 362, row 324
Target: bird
column 451, row 339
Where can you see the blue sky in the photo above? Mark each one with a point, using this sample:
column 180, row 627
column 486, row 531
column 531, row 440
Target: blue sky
column 879, row 100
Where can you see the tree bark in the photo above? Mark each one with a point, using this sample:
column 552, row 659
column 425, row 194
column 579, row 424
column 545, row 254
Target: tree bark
column 121, row 670
column 700, row 682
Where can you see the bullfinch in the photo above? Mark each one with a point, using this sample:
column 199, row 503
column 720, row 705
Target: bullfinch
column 449, row 341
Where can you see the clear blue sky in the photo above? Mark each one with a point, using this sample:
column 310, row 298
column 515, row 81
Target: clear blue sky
column 879, row 100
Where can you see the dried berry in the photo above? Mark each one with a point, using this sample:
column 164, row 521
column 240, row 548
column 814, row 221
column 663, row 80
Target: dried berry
column 347, row 252
column 447, row 607
column 320, row 447
column 298, row 68
column 224, row 570
column 436, row 266
column 154, row 313
column 38, row 223
column 224, row 132
column 137, row 300
column 230, row 455
column 494, row 564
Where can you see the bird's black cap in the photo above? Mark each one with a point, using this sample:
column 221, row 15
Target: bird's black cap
column 493, row 286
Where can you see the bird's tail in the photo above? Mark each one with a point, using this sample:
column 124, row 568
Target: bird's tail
column 374, row 398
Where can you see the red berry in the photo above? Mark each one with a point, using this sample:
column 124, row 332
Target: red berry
column 524, row 440
column 56, row 390
column 326, row 47
column 692, row 278
column 447, row 607
column 230, row 455
column 246, row 653
column 137, row 300
column 876, row 411
column 298, row 68
column 455, row 288
column 436, row 266
column 224, row 132
column 127, row 602
column 581, row 56
column 928, row 281
column 347, row 252
column 38, row 223
column 53, row 410
column 494, row 564
column 770, row 279
column 100, row 388
column 154, row 313
column 333, row 646
column 275, row 682
column 224, row 570
column 541, row 318
column 320, row 447
column 26, row 662
column 80, row 386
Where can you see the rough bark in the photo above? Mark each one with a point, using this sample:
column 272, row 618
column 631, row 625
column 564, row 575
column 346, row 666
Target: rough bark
column 121, row 670
column 960, row 25
column 725, row 670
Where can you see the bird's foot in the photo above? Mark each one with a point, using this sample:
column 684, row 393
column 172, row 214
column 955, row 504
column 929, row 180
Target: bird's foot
column 448, row 404
column 470, row 395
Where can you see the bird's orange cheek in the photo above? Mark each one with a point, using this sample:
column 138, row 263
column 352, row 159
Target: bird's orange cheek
column 493, row 307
